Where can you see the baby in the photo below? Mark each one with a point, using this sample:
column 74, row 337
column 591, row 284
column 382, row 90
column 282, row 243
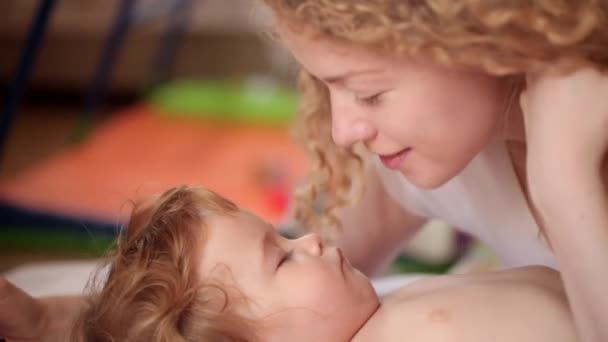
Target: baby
column 192, row 266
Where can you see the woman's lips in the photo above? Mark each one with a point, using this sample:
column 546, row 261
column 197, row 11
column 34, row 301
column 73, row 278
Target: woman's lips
column 395, row 160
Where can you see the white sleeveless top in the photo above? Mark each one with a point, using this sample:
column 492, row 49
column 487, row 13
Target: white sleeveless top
column 484, row 200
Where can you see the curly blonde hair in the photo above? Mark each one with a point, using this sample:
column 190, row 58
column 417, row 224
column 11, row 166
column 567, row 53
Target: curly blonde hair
column 153, row 291
column 500, row 37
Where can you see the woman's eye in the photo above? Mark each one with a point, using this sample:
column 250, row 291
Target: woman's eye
column 369, row 100
column 286, row 257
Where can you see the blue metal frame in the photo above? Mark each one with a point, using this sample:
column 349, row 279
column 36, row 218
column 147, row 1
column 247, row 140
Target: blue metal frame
column 167, row 52
column 106, row 63
column 125, row 18
column 33, row 43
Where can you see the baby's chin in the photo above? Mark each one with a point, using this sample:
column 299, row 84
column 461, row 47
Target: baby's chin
column 359, row 278
column 360, row 289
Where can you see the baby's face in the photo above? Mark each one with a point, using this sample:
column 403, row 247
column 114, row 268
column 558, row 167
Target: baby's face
column 299, row 289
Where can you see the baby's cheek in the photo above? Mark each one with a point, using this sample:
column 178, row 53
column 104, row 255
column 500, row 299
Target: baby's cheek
column 322, row 288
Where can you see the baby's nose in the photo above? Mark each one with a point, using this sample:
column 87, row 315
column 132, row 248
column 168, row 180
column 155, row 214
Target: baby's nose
column 312, row 244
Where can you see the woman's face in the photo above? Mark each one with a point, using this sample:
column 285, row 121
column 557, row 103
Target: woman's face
column 425, row 121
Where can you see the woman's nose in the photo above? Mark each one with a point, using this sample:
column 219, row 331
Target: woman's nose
column 311, row 243
column 349, row 124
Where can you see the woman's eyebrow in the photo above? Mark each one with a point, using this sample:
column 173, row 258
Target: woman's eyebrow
column 340, row 78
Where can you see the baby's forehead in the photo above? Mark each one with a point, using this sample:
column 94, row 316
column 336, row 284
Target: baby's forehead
column 232, row 240
column 242, row 222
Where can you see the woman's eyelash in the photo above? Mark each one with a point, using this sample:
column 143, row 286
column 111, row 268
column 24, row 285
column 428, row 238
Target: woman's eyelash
column 369, row 100
column 285, row 258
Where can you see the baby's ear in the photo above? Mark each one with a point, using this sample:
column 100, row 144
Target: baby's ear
column 213, row 297
column 222, row 289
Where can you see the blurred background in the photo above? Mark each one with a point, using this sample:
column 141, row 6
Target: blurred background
column 109, row 101
column 104, row 102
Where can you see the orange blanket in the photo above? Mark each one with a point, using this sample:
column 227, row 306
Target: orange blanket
column 138, row 153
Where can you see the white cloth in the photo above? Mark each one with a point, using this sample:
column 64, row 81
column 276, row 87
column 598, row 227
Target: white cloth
column 484, row 200
column 55, row 278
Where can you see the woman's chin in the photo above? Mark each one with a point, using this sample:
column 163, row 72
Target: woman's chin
column 427, row 180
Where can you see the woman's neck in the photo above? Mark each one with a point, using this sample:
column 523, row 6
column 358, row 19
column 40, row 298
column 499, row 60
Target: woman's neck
column 511, row 126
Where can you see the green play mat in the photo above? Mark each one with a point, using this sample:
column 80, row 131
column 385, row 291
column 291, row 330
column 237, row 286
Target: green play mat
column 226, row 101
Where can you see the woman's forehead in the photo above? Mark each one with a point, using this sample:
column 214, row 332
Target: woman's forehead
column 325, row 57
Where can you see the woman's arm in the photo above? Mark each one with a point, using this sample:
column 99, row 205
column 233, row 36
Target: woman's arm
column 24, row 318
column 376, row 228
column 574, row 209
column 567, row 132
